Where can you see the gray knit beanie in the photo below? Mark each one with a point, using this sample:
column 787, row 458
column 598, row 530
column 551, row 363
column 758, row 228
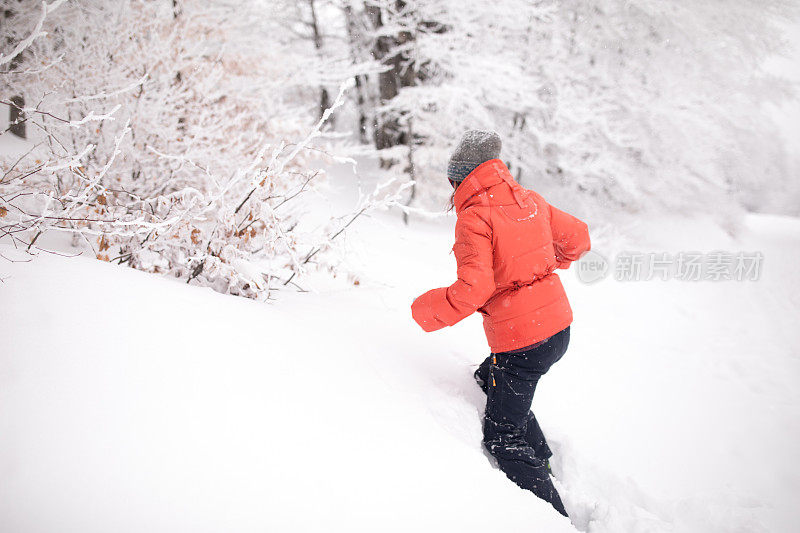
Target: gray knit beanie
column 475, row 147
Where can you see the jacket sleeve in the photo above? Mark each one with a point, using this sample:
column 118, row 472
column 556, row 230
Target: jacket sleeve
column 473, row 250
column 570, row 237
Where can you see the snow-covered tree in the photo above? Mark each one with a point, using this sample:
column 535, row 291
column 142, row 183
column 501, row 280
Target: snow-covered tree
column 607, row 106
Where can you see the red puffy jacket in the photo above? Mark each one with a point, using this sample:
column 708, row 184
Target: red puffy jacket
column 509, row 241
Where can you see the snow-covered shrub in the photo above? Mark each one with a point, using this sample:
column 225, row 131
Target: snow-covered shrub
column 171, row 136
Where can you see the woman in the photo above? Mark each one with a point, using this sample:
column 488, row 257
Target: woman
column 509, row 241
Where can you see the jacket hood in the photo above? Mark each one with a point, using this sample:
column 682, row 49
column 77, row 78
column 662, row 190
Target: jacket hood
column 490, row 184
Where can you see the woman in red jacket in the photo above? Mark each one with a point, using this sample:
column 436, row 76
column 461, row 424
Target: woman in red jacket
column 509, row 241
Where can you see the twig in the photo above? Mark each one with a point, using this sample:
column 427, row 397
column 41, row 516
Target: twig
column 37, row 32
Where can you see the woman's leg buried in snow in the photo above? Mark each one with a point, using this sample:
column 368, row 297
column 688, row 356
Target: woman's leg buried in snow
column 510, row 433
column 533, row 432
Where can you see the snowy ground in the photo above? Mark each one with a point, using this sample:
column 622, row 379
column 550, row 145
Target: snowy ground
column 133, row 403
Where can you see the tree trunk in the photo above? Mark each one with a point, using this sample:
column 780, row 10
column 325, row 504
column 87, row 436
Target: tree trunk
column 388, row 129
column 16, row 118
column 324, row 100
column 412, row 169
column 362, row 81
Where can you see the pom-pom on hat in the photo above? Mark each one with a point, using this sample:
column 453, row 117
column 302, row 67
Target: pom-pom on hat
column 475, row 147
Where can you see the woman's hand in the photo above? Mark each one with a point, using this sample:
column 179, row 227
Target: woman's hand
column 562, row 263
column 422, row 312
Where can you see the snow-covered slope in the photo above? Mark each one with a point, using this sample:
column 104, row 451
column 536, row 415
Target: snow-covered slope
column 130, row 402
column 133, row 403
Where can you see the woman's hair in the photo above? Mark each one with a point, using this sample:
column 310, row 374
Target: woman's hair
column 451, row 202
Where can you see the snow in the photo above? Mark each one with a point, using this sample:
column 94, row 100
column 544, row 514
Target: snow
column 131, row 402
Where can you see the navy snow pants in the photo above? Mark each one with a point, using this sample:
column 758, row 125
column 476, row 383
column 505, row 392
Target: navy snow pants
column 511, row 433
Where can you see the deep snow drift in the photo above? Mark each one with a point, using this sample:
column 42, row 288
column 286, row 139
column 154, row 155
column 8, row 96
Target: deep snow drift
column 130, row 402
